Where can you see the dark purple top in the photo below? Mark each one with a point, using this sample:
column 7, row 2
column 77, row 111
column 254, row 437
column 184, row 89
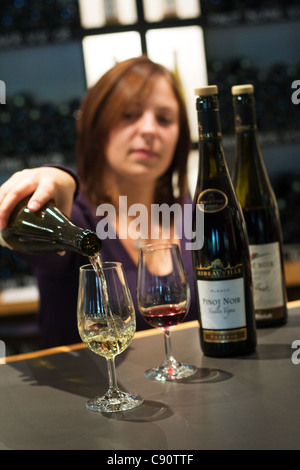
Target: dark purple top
column 57, row 278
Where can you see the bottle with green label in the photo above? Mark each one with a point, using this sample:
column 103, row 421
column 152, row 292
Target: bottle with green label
column 259, row 205
column 222, row 266
column 46, row 230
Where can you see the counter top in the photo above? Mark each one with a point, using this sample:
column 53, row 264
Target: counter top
column 250, row 402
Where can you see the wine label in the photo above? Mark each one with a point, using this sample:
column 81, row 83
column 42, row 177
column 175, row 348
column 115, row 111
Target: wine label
column 225, row 336
column 212, row 200
column 218, row 271
column 222, row 305
column 266, row 275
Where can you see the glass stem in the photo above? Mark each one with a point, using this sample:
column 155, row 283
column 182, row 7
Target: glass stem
column 112, row 377
column 168, row 346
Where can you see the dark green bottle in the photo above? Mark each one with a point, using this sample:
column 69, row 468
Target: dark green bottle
column 45, row 231
column 259, row 205
column 222, row 266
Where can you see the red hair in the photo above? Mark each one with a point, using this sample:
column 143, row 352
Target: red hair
column 103, row 107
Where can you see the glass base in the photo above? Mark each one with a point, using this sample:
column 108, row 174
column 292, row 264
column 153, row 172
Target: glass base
column 170, row 371
column 119, row 401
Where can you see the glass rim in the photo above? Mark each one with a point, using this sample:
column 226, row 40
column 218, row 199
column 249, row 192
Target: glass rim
column 158, row 246
column 105, row 265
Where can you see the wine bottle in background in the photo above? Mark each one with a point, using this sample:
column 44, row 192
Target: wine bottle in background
column 45, row 231
column 178, row 76
column 222, row 266
column 259, row 205
column 111, row 12
column 169, row 9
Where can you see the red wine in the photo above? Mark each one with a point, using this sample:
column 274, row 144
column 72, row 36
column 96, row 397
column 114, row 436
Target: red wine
column 164, row 316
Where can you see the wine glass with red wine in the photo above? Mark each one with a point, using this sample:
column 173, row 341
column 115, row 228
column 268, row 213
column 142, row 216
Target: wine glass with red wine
column 163, row 296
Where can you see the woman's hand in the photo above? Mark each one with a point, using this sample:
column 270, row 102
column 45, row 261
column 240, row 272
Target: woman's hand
column 43, row 183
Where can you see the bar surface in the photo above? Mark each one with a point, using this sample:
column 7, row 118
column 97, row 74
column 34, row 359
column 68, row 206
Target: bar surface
column 250, row 402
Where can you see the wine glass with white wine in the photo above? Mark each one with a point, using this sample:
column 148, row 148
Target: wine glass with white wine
column 164, row 298
column 106, row 324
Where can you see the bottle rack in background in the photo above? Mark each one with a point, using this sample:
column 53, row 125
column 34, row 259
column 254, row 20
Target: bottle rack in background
column 278, row 118
column 233, row 12
column 35, row 23
column 34, row 133
column 13, row 272
column 287, row 190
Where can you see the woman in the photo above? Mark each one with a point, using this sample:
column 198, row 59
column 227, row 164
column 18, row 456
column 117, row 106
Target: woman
column 133, row 140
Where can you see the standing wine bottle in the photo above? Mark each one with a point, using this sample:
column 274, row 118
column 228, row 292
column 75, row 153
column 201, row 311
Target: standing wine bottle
column 222, row 266
column 261, row 214
column 45, row 231
column 111, row 12
column 169, row 9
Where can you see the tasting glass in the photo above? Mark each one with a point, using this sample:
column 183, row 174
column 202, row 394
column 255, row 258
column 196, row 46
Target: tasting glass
column 163, row 299
column 106, row 324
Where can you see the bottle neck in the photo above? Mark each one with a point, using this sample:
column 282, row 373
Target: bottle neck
column 209, row 124
column 88, row 243
column 244, row 113
column 212, row 164
column 249, row 174
column 47, row 230
column 83, row 241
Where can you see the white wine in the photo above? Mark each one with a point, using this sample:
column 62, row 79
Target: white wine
column 259, row 205
column 107, row 337
column 107, row 333
column 46, row 230
column 96, row 262
column 222, row 269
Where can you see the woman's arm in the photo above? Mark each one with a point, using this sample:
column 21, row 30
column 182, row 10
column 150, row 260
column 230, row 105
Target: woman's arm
column 43, row 183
